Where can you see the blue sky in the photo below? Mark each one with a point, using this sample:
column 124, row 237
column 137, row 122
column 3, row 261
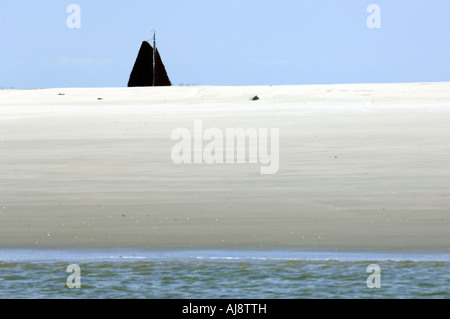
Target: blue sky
column 233, row 42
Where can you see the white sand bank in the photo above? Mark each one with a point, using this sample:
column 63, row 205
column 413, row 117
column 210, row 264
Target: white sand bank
column 361, row 166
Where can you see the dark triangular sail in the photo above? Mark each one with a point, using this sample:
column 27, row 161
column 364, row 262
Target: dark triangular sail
column 142, row 73
column 161, row 77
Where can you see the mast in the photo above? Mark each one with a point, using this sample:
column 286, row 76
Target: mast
column 154, row 57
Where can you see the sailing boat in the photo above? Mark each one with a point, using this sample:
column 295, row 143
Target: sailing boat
column 149, row 70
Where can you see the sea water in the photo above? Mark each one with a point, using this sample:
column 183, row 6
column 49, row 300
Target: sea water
column 218, row 274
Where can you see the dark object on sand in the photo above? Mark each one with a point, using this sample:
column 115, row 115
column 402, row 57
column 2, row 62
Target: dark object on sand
column 148, row 69
column 255, row 98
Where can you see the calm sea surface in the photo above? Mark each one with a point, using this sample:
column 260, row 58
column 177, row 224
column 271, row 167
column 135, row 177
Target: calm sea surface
column 220, row 274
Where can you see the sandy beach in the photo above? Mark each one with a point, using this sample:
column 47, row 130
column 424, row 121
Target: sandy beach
column 361, row 167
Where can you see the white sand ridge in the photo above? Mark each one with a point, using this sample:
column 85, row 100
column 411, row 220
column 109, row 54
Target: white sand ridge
column 362, row 166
